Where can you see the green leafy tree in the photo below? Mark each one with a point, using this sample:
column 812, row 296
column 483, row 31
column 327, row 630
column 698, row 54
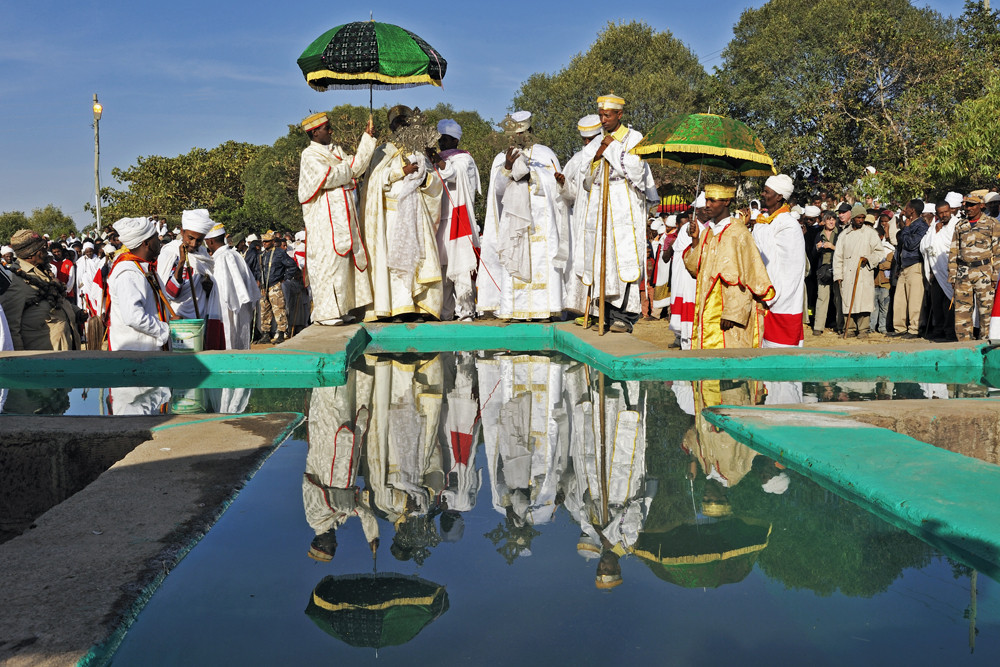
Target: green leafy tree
column 52, row 221
column 202, row 178
column 833, row 87
column 654, row 71
column 10, row 222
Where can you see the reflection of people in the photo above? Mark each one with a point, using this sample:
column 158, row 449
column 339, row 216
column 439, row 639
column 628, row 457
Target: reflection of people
column 731, row 279
column 338, row 428
column 459, row 432
column 139, row 400
column 721, row 457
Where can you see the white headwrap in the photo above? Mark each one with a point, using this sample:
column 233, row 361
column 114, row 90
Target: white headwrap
column 449, row 127
column 133, row 231
column 953, row 199
column 197, row 221
column 252, row 238
column 812, row 211
column 88, row 244
column 301, row 235
column 109, row 250
column 589, row 126
column 6, row 249
column 700, row 201
column 658, row 227
column 671, row 221
column 777, row 484
column 782, row 184
column 930, row 208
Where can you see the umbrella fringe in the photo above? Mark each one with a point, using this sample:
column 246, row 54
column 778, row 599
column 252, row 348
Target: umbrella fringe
column 704, row 150
column 362, row 85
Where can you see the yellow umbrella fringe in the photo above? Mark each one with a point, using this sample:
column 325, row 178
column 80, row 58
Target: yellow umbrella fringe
column 711, row 168
column 750, row 156
column 382, row 78
column 401, row 602
column 704, row 558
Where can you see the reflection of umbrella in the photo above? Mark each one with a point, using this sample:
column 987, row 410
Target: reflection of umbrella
column 704, row 140
column 367, row 53
column 704, row 555
column 375, row 610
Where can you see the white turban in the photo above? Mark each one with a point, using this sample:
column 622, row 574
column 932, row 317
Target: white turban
column 449, row 127
column 109, row 250
column 953, row 199
column 252, row 238
column 301, row 235
column 218, row 229
column 133, row 231
column 88, row 244
column 796, row 215
column 671, row 221
column 197, row 221
column 658, row 227
column 930, row 208
column 700, row 201
column 812, row 211
column 589, row 126
column 782, row 184
column 6, row 249
column 777, row 484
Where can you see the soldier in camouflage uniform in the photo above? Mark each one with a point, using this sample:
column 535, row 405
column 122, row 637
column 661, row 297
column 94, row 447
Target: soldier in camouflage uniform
column 973, row 263
column 275, row 267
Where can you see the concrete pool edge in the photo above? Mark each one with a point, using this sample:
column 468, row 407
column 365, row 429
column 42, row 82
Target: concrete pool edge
column 321, row 355
column 93, row 560
column 932, row 493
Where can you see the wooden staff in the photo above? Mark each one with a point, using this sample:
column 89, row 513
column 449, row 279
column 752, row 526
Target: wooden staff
column 604, row 250
column 850, row 309
column 194, row 300
column 604, row 453
column 586, row 309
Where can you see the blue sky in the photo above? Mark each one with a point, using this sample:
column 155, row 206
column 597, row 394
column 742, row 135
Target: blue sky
column 180, row 74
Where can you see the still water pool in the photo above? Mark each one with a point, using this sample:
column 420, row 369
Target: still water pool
column 467, row 509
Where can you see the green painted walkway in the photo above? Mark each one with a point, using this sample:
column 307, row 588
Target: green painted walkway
column 946, row 499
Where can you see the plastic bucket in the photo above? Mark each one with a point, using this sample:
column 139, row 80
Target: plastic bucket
column 187, row 336
column 187, row 401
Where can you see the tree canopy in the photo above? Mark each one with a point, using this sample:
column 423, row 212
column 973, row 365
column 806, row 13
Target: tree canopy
column 48, row 220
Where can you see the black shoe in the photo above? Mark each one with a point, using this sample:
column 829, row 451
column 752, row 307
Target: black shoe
column 279, row 338
column 817, row 332
column 909, row 336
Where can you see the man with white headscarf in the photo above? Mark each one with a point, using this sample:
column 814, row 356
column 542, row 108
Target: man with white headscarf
column 934, row 247
column 575, row 196
column 621, row 186
column 236, row 293
column 779, row 239
column 525, row 243
column 87, row 267
column 402, row 211
column 659, row 277
column 336, row 260
column 138, row 316
column 683, row 286
column 185, row 267
column 458, row 231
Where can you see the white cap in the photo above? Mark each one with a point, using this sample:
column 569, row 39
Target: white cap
column 991, row 197
column 930, row 208
column 301, row 235
column 218, row 229
column 522, row 121
column 252, row 238
column 88, row 244
column 671, row 221
column 589, row 125
column 700, row 201
column 781, row 184
column 812, row 211
column 449, row 127
column 953, row 199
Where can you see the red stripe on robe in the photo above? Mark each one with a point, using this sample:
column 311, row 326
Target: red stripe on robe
column 783, row 328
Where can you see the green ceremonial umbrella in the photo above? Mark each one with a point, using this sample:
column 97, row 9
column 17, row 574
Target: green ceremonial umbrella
column 706, row 141
column 377, row 610
column 705, row 555
column 376, row 55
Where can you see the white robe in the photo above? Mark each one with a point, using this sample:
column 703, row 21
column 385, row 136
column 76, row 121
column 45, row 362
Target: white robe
column 458, row 234
column 401, row 219
column 575, row 196
column 525, row 243
column 234, row 297
column 659, row 281
column 139, row 400
column 934, row 246
column 134, row 321
column 201, row 266
column 683, row 289
column 336, row 257
column 86, row 269
column 630, row 187
column 783, row 249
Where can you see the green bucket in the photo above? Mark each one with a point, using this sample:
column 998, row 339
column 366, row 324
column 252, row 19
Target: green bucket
column 187, row 336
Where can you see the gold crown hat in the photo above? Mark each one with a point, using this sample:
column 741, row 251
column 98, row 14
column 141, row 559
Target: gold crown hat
column 719, row 191
column 312, row 121
column 268, row 235
column 589, row 126
column 606, row 582
column 610, row 102
column 218, row 229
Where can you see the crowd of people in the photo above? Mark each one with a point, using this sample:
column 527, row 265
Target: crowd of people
column 390, row 234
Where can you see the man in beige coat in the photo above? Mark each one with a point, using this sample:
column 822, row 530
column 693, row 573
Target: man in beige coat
column 858, row 253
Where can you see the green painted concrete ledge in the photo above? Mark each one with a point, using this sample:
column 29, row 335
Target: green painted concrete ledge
column 320, row 356
column 944, row 498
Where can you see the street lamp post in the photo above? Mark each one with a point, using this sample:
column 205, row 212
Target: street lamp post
column 98, row 109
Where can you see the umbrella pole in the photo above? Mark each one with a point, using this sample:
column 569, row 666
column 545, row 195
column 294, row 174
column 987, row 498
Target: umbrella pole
column 604, row 252
column 604, row 446
column 370, row 107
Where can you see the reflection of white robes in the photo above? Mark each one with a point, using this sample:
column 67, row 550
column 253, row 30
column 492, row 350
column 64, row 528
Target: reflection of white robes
column 783, row 249
column 335, row 253
column 525, row 243
column 526, row 433
column 139, row 400
column 228, row 401
column 630, row 187
column 617, row 464
column 460, row 433
column 458, row 233
column 234, row 297
column 338, row 423
column 401, row 219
